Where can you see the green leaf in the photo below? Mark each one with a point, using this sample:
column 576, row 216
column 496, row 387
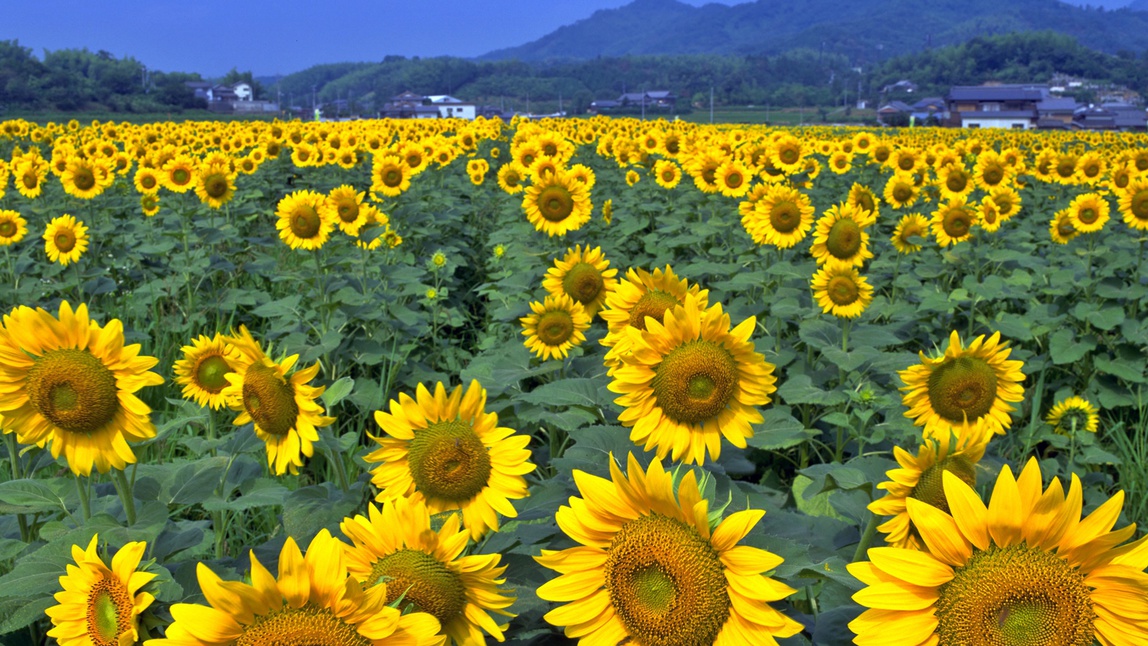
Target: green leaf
column 193, row 482
column 1106, row 318
column 311, row 509
column 29, row 497
column 337, row 391
column 817, row 505
column 578, row 391
column 799, row 389
column 20, row 613
column 1064, row 348
column 779, row 430
column 281, row 308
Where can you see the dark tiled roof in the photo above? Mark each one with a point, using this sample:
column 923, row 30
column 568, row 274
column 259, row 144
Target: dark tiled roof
column 998, row 92
column 999, row 114
column 1054, row 104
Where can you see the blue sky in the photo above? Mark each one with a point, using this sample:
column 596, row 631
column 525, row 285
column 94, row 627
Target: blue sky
column 212, row 36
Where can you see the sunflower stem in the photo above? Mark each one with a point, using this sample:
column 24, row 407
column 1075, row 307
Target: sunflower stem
column 125, row 490
column 85, row 502
column 866, row 538
column 14, row 457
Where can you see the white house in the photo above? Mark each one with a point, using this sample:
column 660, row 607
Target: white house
column 243, row 91
column 448, row 106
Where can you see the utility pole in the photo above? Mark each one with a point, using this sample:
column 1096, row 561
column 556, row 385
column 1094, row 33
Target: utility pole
column 559, row 102
column 711, row 104
column 643, row 103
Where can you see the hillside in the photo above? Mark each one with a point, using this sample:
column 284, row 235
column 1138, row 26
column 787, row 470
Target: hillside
column 863, row 30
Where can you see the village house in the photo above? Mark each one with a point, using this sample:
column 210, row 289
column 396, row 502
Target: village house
column 409, row 105
column 1011, row 106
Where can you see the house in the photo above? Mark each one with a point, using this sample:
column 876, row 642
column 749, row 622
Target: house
column 603, row 106
column 1110, row 116
column 995, row 106
column 931, row 109
column 409, row 105
column 199, row 88
column 904, row 85
column 243, row 91
column 450, row 107
column 1055, row 112
column 1127, row 117
column 652, row 99
column 894, row 113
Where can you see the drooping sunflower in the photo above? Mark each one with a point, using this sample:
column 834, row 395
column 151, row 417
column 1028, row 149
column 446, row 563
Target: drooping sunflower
column 953, row 222
column 204, row 367
column 782, row 217
column 912, row 225
column 302, row 221
column 314, row 601
column 447, row 450
column 690, row 380
column 964, row 389
column 1061, row 229
column 390, row 175
column 1089, row 212
column 900, row 191
column 639, row 296
column 1025, row 569
column 608, row 211
column 650, row 569
column 101, row 605
column 841, row 291
column 1134, row 204
column 1074, row 414
column 840, row 236
column 81, row 179
column 555, row 325
column 920, row 477
column 667, row 174
column 344, row 206
column 425, row 571
column 282, row 408
column 557, row 204
column 13, row 227
column 71, row 383
column 583, row 275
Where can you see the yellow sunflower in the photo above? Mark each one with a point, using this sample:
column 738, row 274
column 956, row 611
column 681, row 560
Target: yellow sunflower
column 344, row 206
column 1090, row 168
column 1134, row 204
column 865, row 200
column 839, row 290
column 314, row 601
column 557, row 204
column 82, row 179
column 781, row 217
column 1089, row 212
column 667, row 174
column 390, row 175
column 991, row 171
column 632, row 177
column 988, row 216
column 732, row 178
column 179, row 174
column 1061, row 229
column 149, row 204
column 13, row 227
column 101, row 605
column 912, row 225
column 204, row 368
column 964, row 389
column 425, row 570
column 840, row 162
column 65, row 239
column 302, row 222
column 1008, row 201
column 447, row 450
column 1025, row 569
column 28, row 176
column 608, row 211
column 510, row 178
column 283, row 409
column 1072, row 415
column 690, row 380
column 840, row 236
column 955, row 182
column 900, row 191
column 788, row 153
column 650, row 567
column 641, row 296
column 146, row 180
column 555, row 325
column 953, row 222
column 71, row 383
column 920, row 477
column 583, row 275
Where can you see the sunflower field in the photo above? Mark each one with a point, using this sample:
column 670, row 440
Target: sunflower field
column 595, row 381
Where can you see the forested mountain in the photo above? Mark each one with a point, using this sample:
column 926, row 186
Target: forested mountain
column 865, row 31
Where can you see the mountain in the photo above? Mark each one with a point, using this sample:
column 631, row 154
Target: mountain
column 863, row 30
column 1138, row 5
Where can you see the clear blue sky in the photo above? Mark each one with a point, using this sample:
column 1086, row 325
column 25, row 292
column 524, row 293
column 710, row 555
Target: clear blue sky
column 212, row 36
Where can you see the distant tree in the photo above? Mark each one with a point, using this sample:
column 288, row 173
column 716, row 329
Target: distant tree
column 235, row 76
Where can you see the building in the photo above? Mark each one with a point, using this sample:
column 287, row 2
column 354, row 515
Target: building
column 1110, row 116
column 894, row 113
column 450, row 107
column 409, row 105
column 995, row 106
column 930, row 110
column 649, row 100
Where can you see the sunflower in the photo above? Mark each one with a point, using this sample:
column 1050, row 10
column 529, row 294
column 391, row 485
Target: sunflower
column 100, row 606
column 649, row 568
column 447, row 450
column 28, row 176
column 204, row 368
column 1025, row 569
column 1088, row 212
column 667, row 174
column 425, row 570
column 912, row 225
column 149, row 204
column 13, row 227
column 988, row 217
column 70, row 382
column 510, row 178
column 1061, row 229
column 900, row 191
column 1134, row 204
column 81, row 179
column 1090, row 168
column 556, row 325
column 1008, row 201
column 1063, row 170
column 65, row 239
column 146, row 180
column 841, row 291
column 732, row 178
column 583, row 275
column 840, row 162
column 920, row 477
column 1072, row 415
column 557, row 204
column 390, row 175
column 689, row 380
column 788, row 153
column 642, row 296
column 955, row 182
column 964, row 389
column 344, row 207
column 314, row 601
column 865, row 200
column 302, row 221
column 953, row 222
column 179, row 174
column 608, row 211
column 583, row 174
column 781, row 217
column 840, row 236
column 215, row 185
column 632, row 177
column 991, row 171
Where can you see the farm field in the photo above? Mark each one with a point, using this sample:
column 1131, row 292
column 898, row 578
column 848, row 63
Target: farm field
column 428, row 382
